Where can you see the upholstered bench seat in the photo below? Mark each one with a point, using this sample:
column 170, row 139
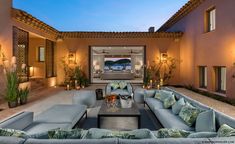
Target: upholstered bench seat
column 170, row 120
column 62, row 114
column 35, row 127
column 154, row 103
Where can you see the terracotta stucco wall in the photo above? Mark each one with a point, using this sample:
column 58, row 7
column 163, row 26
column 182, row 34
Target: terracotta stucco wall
column 216, row 48
column 5, row 37
column 81, row 46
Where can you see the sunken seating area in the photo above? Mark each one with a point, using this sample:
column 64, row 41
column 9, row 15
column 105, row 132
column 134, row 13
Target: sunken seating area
column 183, row 119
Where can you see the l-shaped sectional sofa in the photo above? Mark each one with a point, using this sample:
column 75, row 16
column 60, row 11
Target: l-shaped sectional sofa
column 66, row 116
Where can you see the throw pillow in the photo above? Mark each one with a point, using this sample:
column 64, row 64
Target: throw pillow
column 95, row 133
column 157, row 95
column 142, row 134
column 118, row 134
column 40, row 135
column 202, row 135
column 65, row 134
column 225, row 131
column 167, row 103
column 178, row 105
column 122, row 84
column 171, row 133
column 206, row 122
column 13, row 133
column 189, row 113
column 114, row 85
column 165, row 94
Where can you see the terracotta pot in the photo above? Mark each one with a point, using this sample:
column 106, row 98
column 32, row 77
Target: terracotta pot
column 12, row 104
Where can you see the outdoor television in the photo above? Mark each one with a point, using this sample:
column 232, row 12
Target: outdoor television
column 117, row 63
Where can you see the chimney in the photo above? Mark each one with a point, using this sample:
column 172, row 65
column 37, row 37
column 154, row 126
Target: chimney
column 152, row 29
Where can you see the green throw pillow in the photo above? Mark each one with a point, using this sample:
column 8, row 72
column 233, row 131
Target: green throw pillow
column 65, row 134
column 122, row 84
column 189, row 114
column 114, row 85
column 165, row 94
column 13, row 133
column 178, row 105
column 206, row 122
column 202, row 135
column 171, row 133
column 118, row 134
column 157, row 95
column 142, row 134
column 225, row 131
column 95, row 133
column 167, row 103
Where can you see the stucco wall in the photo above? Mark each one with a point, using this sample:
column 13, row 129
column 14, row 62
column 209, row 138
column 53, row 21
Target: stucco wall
column 81, row 46
column 39, row 67
column 216, row 48
column 5, row 37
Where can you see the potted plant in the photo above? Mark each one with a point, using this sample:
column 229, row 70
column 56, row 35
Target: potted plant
column 12, row 82
column 12, row 86
column 23, row 95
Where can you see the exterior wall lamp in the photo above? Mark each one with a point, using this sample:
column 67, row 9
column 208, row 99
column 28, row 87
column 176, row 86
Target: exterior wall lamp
column 163, row 57
column 72, row 58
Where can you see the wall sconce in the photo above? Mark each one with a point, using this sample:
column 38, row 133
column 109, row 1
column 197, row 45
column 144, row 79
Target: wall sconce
column 31, row 71
column 163, row 57
column 72, row 58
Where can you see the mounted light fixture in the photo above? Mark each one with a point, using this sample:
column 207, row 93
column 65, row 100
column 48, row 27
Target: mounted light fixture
column 72, row 58
column 163, row 57
column 31, row 71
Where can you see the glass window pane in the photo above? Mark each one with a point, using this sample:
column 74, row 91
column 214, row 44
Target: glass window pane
column 212, row 19
column 41, row 54
column 223, row 79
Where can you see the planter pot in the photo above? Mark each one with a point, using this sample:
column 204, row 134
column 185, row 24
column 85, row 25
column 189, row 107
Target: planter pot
column 12, row 104
column 23, row 101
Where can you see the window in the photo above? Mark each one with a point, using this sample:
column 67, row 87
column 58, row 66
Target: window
column 41, row 54
column 202, row 76
column 220, row 79
column 211, row 19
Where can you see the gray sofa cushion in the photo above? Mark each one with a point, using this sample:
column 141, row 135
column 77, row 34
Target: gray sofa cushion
column 11, row 140
column 202, row 135
column 62, row 114
column 166, row 141
column 42, row 127
column 149, row 93
column 178, row 105
column 139, row 95
column 206, row 122
column 70, row 141
column 154, row 103
column 223, row 119
column 18, row 121
column 85, row 97
column 169, row 120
